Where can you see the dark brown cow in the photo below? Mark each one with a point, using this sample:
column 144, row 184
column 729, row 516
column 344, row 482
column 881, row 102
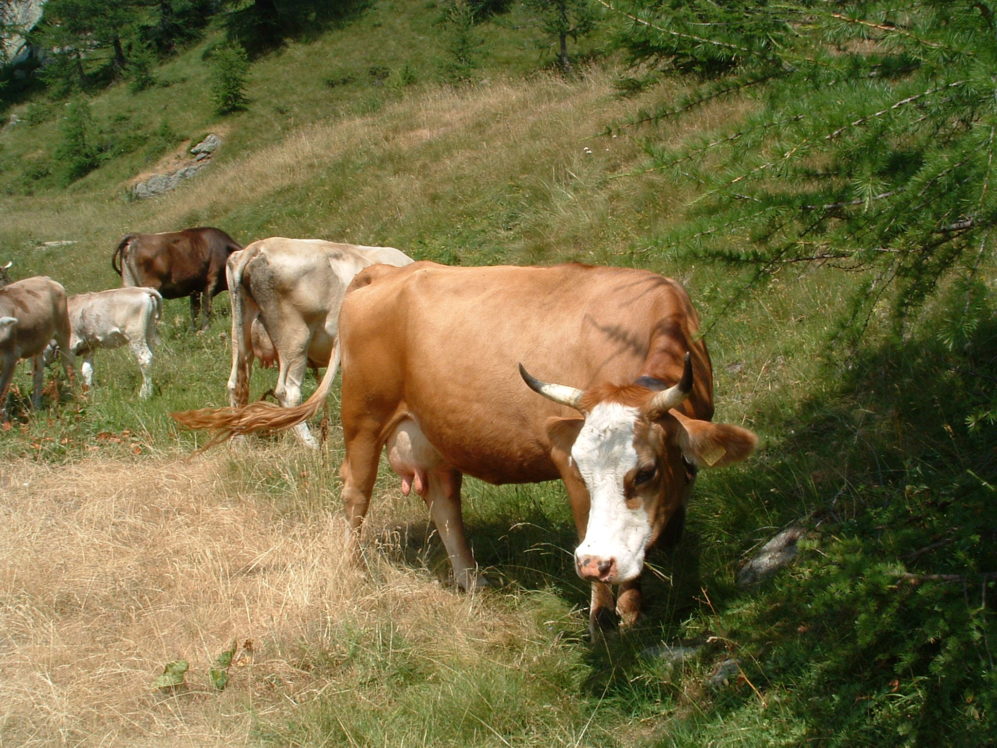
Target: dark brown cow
column 431, row 361
column 190, row 263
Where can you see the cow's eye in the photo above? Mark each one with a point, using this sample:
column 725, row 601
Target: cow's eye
column 644, row 475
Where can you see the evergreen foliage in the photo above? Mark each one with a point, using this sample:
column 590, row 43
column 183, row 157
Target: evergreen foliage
column 870, row 143
column 561, row 20
column 229, row 75
column 140, row 69
column 77, row 28
column 77, row 153
column 463, row 44
column 868, row 146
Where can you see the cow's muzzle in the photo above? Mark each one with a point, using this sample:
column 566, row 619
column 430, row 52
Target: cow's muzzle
column 596, row 568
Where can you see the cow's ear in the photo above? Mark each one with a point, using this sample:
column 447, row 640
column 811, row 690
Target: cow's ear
column 707, row 444
column 562, row 433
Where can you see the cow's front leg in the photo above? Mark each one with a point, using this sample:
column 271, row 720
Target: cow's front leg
column 8, row 365
column 37, row 380
column 206, row 310
column 601, row 614
column 86, row 371
column 195, row 310
column 628, row 602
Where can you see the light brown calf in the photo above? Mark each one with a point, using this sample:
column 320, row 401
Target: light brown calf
column 32, row 313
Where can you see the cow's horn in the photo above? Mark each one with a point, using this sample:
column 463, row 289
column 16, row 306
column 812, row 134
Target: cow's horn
column 8, row 265
column 559, row 393
column 665, row 400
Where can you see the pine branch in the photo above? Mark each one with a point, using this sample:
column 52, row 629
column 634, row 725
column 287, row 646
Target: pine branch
column 961, row 578
column 834, row 134
column 691, row 103
column 883, row 27
column 703, row 40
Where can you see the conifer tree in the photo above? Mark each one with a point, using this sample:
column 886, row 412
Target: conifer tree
column 561, row 20
column 870, row 145
column 79, row 27
column 77, row 152
column 231, row 68
column 462, row 42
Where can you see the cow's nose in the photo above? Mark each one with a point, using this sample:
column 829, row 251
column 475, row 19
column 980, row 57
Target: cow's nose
column 596, row 568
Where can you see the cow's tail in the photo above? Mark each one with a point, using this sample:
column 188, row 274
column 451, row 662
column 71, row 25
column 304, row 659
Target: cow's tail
column 117, row 259
column 155, row 311
column 241, row 351
column 259, row 416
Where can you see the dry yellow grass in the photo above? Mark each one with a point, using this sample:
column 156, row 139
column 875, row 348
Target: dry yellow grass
column 110, row 569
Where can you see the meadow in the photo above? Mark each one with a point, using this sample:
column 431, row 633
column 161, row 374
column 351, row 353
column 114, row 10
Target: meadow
column 126, row 550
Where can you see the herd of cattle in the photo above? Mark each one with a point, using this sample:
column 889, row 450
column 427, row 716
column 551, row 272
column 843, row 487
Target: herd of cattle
column 433, row 361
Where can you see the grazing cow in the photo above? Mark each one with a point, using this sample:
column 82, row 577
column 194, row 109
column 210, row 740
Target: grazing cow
column 429, row 372
column 32, row 312
column 190, row 263
column 285, row 296
column 113, row 318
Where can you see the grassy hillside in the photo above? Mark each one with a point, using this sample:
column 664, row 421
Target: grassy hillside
column 124, row 552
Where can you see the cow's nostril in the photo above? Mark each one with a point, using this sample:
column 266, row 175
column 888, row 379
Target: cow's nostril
column 605, row 566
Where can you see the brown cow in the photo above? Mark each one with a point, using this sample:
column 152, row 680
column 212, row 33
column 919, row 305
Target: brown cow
column 429, row 372
column 32, row 313
column 190, row 263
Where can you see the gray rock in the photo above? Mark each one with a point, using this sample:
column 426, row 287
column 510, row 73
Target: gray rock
column 724, row 674
column 774, row 555
column 159, row 184
column 671, row 653
column 22, row 15
column 207, row 147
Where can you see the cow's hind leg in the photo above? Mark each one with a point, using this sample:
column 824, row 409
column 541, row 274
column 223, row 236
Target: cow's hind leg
column 358, row 473
column 143, row 355
column 292, row 360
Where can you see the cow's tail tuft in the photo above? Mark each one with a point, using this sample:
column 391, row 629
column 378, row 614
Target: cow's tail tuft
column 258, row 416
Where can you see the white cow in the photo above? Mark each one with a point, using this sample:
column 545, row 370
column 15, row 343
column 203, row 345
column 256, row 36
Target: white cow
column 111, row 319
column 32, row 312
column 293, row 288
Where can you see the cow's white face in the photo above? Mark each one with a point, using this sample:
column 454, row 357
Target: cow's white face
column 618, row 530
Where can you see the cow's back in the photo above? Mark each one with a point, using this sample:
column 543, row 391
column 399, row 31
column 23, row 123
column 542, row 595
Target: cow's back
column 113, row 316
column 444, row 344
